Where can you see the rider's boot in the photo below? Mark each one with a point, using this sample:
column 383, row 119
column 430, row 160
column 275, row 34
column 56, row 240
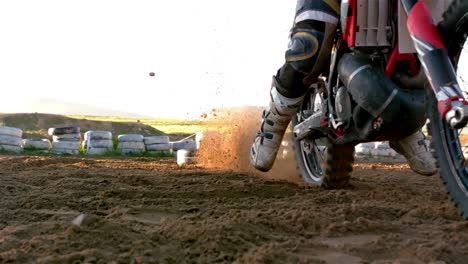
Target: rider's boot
column 276, row 118
column 417, row 153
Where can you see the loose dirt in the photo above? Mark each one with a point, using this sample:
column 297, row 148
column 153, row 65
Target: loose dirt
column 149, row 210
column 144, row 210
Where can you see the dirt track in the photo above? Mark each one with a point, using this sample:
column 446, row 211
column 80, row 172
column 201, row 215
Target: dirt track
column 145, row 210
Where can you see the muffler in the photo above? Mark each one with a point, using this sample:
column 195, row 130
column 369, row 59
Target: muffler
column 400, row 111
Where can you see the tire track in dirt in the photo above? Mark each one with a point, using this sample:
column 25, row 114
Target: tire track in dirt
column 147, row 210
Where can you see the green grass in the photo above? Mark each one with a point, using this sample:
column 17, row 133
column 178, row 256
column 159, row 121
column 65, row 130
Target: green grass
column 110, row 153
column 37, row 124
column 166, row 125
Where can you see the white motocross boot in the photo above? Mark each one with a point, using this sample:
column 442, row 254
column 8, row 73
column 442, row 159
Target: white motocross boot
column 276, row 119
column 417, row 153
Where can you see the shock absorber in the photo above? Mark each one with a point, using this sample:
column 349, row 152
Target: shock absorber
column 436, row 63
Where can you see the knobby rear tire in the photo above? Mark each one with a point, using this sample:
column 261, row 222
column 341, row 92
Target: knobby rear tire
column 330, row 171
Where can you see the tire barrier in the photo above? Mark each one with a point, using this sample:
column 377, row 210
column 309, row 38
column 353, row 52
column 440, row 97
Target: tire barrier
column 97, row 134
column 36, row 144
column 66, row 145
column 98, row 151
column 157, row 144
column 65, row 151
column 10, row 148
column 65, row 140
column 67, row 137
column 158, row 147
column 98, row 142
column 198, row 139
column 55, row 131
column 189, row 145
column 130, row 138
column 383, row 150
column 10, row 139
column 131, row 144
column 156, row 140
column 364, row 149
column 131, row 151
column 185, row 157
column 376, row 150
column 11, row 131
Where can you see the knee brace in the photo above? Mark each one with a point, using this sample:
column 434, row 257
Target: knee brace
column 304, row 49
column 312, row 34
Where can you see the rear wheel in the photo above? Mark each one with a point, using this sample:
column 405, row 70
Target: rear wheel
column 320, row 162
column 451, row 144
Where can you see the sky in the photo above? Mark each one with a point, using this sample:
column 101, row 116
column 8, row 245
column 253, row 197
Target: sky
column 204, row 53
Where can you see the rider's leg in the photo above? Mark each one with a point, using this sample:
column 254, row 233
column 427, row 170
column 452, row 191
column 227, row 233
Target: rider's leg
column 417, row 153
column 308, row 53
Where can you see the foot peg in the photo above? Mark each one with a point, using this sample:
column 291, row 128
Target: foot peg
column 311, row 127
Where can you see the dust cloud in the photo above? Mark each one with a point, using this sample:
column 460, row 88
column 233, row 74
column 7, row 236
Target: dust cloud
column 227, row 140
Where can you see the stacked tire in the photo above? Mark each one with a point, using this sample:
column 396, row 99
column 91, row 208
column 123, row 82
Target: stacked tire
column 185, row 157
column 364, row 149
column 10, row 139
column 42, row 145
column 376, row 150
column 189, row 145
column 383, row 149
column 131, row 144
column 65, row 140
column 157, row 145
column 98, row 142
column 185, row 151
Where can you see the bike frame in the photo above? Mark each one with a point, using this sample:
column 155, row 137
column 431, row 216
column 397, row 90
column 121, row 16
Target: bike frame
column 432, row 54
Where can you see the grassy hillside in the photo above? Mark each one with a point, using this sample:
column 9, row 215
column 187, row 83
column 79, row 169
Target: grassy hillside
column 36, row 124
column 168, row 126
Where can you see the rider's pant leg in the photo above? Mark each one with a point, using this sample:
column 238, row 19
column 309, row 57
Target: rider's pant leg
column 310, row 44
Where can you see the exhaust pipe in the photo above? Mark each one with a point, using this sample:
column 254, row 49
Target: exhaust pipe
column 370, row 88
column 402, row 111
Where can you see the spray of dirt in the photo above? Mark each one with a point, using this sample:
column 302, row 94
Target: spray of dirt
column 227, row 140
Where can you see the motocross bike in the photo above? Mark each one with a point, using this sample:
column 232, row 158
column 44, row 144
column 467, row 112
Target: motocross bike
column 392, row 70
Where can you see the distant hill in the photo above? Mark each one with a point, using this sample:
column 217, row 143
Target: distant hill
column 37, row 124
column 52, row 106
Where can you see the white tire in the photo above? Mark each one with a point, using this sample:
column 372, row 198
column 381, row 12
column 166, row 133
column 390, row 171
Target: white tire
column 67, row 137
column 185, row 157
column 100, row 143
column 55, row 131
column 198, row 138
column 156, row 140
column 382, row 145
column 131, row 145
column 10, row 140
column 166, row 146
column 98, row 135
column 71, row 145
column 130, row 138
column 11, row 131
column 130, row 151
column 187, row 145
column 365, row 148
column 10, row 148
column 97, row 151
column 65, row 151
column 39, row 144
